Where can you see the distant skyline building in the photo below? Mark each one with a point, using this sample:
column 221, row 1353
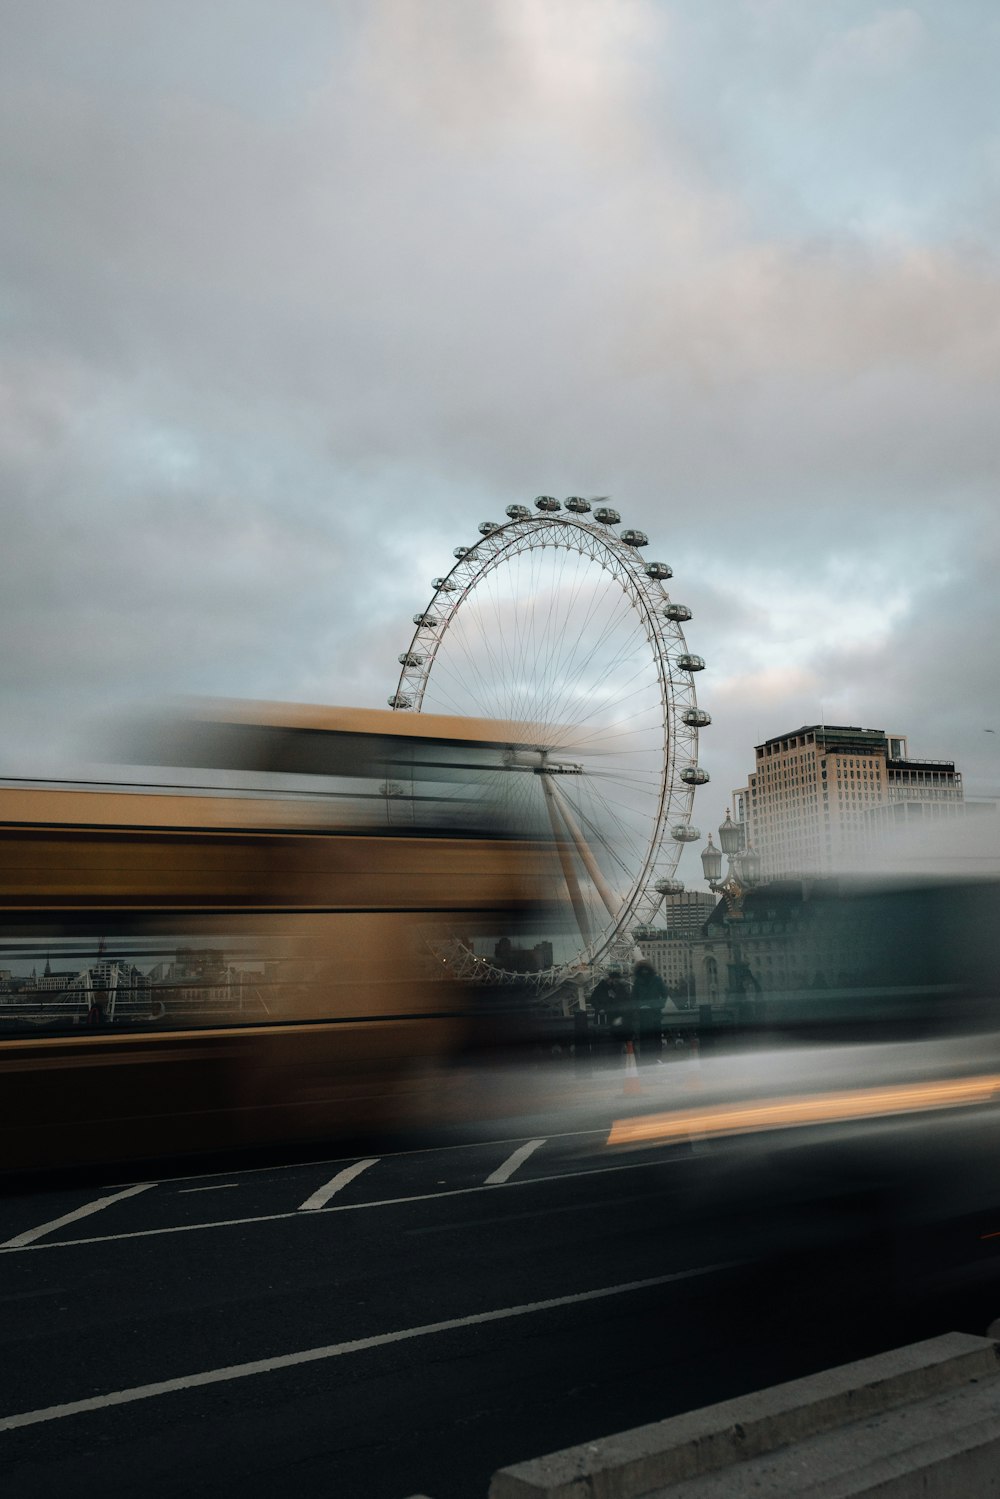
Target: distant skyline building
column 668, row 947
column 523, row 959
column 685, row 913
column 821, row 796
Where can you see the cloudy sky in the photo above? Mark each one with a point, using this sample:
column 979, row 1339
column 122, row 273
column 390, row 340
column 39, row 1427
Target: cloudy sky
column 296, row 292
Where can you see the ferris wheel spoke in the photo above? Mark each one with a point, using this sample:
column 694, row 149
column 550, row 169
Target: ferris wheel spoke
column 557, row 669
column 530, row 642
column 627, row 816
column 628, row 821
column 505, row 621
column 508, row 638
column 551, row 642
column 571, row 672
column 600, row 703
column 615, row 855
column 487, row 677
column 621, row 695
column 461, row 698
column 586, row 629
column 607, row 732
column 624, row 816
column 583, row 669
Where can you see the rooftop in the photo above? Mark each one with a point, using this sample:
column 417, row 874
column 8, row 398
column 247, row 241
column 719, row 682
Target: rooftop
column 829, row 733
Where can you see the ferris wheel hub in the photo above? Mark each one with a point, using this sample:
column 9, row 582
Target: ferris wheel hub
column 537, row 761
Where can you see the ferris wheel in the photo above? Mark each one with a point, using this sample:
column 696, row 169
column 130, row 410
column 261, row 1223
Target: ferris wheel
column 554, row 619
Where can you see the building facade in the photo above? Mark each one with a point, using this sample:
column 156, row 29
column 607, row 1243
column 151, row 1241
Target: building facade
column 790, row 936
column 819, row 797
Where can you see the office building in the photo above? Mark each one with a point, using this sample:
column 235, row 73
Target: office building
column 812, row 804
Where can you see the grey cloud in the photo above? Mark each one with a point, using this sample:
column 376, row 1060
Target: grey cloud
column 285, row 319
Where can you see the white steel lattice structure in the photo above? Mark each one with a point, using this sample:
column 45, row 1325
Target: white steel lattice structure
column 555, row 620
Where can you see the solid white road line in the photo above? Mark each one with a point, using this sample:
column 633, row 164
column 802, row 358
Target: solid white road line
column 334, row 1350
column 323, row 1194
column 339, row 1207
column 215, row 1187
column 499, row 1176
column 19, row 1240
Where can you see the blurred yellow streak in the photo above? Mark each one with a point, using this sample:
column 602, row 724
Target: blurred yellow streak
column 815, row 1108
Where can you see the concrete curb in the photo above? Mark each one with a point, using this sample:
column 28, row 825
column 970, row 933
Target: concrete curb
column 702, row 1442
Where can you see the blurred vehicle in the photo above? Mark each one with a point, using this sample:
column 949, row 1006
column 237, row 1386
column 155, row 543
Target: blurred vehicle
column 301, row 920
column 872, row 1165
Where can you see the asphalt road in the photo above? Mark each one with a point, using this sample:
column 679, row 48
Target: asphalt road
column 386, row 1324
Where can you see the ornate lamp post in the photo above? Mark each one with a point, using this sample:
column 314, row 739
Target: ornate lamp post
column 750, row 866
column 743, row 871
column 711, row 863
column 743, row 866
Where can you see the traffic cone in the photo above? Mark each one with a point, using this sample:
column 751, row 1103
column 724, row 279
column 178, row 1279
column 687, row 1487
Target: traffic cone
column 632, row 1083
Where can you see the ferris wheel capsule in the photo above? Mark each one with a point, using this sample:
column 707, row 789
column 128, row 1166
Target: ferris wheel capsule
column 693, row 775
column 413, row 658
column 426, row 621
column 688, row 662
column 576, row 505
column 635, row 539
column 518, row 512
column 679, row 613
column 669, row 887
column 659, row 570
column 548, row 503
column 400, row 700
column 696, row 718
column 607, row 516
column 683, row 832
column 487, row 527
column 444, row 585
column 461, row 552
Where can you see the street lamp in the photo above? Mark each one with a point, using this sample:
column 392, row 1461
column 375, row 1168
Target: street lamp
column 743, row 871
column 743, row 867
column 731, row 836
column 750, row 865
column 711, row 863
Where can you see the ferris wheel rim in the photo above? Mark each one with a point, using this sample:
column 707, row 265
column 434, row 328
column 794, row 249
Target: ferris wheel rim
column 644, row 591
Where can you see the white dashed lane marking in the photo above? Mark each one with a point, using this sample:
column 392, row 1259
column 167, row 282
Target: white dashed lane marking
column 338, row 1207
column 322, row 1195
column 503, row 1173
column 217, row 1187
column 31, row 1234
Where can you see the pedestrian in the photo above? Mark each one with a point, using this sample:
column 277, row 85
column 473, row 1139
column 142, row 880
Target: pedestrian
column 609, row 1002
column 604, row 1000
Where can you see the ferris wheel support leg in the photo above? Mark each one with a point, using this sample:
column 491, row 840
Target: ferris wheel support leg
column 569, row 873
column 612, row 901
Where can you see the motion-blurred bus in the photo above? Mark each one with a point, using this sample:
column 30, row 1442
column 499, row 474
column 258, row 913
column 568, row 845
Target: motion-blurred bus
column 262, row 950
